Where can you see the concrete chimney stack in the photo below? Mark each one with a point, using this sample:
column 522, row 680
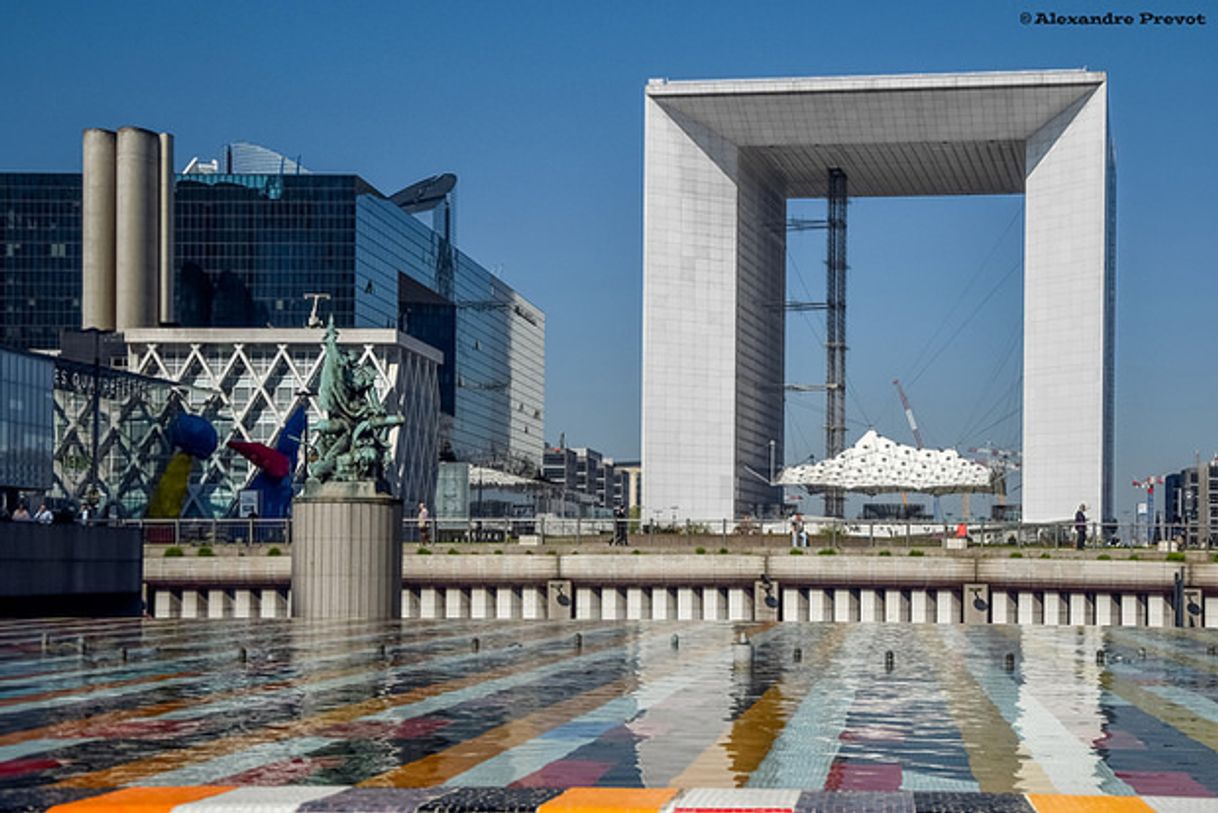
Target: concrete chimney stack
column 127, row 229
column 97, row 230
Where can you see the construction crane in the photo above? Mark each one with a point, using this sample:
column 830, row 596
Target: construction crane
column 917, row 435
column 909, row 416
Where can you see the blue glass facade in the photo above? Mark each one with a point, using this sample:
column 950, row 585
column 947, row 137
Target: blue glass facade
column 26, row 426
column 39, row 257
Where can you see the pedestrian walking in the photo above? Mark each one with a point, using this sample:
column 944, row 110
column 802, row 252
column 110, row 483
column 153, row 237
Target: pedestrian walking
column 424, row 524
column 619, row 526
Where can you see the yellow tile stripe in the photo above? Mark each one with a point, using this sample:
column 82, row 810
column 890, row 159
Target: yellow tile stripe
column 141, row 800
column 132, row 772
column 1178, row 717
column 993, row 749
column 610, row 800
column 746, row 741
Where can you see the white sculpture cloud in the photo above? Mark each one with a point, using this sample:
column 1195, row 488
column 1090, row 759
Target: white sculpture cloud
column 876, row 465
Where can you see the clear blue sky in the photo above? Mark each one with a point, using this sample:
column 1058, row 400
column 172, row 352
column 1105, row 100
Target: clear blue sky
column 537, row 106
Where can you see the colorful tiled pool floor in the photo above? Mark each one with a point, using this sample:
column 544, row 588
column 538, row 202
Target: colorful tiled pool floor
column 87, row 707
column 327, row 799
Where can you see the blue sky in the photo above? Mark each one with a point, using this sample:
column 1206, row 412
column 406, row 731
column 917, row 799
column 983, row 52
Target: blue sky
column 537, row 106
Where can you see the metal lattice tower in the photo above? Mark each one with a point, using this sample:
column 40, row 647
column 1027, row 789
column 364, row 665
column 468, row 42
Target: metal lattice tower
column 835, row 333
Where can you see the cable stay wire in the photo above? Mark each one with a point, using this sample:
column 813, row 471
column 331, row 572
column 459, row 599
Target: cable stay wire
column 983, row 394
column 964, row 292
column 965, row 323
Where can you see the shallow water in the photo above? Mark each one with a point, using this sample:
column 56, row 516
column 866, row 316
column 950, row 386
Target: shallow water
column 471, row 703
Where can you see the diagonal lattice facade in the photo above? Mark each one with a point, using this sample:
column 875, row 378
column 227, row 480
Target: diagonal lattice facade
column 248, row 381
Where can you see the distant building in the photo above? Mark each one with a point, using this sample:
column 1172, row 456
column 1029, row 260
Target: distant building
column 39, row 257
column 1190, row 507
column 587, row 471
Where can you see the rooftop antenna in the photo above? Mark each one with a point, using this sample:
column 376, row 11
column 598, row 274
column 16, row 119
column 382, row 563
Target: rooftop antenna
column 314, row 318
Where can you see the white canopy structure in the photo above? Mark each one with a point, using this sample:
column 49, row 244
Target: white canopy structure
column 876, row 465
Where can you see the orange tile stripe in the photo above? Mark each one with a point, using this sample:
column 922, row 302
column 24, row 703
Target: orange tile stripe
column 610, row 800
column 132, row 772
column 1052, row 803
column 141, row 800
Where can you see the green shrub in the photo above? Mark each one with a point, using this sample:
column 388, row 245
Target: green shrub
column 1176, row 556
column 206, row 551
column 1045, row 556
column 722, row 551
column 274, row 551
column 499, row 552
column 700, row 550
column 885, row 552
column 453, row 552
column 916, row 552
column 1133, row 557
column 173, row 551
column 423, row 551
column 797, row 552
column 826, row 552
column 1103, row 557
column 1016, row 554
column 637, row 552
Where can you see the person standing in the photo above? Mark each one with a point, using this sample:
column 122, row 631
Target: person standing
column 1080, row 526
column 424, row 524
column 44, row 515
column 799, row 536
column 22, row 514
column 619, row 526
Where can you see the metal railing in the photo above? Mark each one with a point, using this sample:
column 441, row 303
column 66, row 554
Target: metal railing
column 818, row 533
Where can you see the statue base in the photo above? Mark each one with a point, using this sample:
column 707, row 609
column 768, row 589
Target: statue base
column 346, row 552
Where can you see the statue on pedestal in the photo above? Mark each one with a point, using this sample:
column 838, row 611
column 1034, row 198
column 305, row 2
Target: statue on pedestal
column 352, row 443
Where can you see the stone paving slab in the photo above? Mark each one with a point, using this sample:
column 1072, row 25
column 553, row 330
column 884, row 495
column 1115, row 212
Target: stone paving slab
column 334, row 799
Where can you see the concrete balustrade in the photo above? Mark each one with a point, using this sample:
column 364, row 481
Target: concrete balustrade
column 838, row 589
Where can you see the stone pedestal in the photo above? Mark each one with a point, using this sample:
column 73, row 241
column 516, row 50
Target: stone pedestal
column 346, row 553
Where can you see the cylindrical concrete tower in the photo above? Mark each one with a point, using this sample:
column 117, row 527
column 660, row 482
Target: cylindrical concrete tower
column 136, row 301
column 166, row 180
column 97, row 230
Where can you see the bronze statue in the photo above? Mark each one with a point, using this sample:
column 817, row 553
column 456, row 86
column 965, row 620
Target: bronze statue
column 353, row 440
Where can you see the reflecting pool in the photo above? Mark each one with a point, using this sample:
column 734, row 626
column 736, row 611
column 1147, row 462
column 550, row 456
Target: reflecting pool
column 105, row 704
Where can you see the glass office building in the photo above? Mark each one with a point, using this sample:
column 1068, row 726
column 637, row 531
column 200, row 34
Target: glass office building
column 26, row 428
column 249, row 247
column 39, row 257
